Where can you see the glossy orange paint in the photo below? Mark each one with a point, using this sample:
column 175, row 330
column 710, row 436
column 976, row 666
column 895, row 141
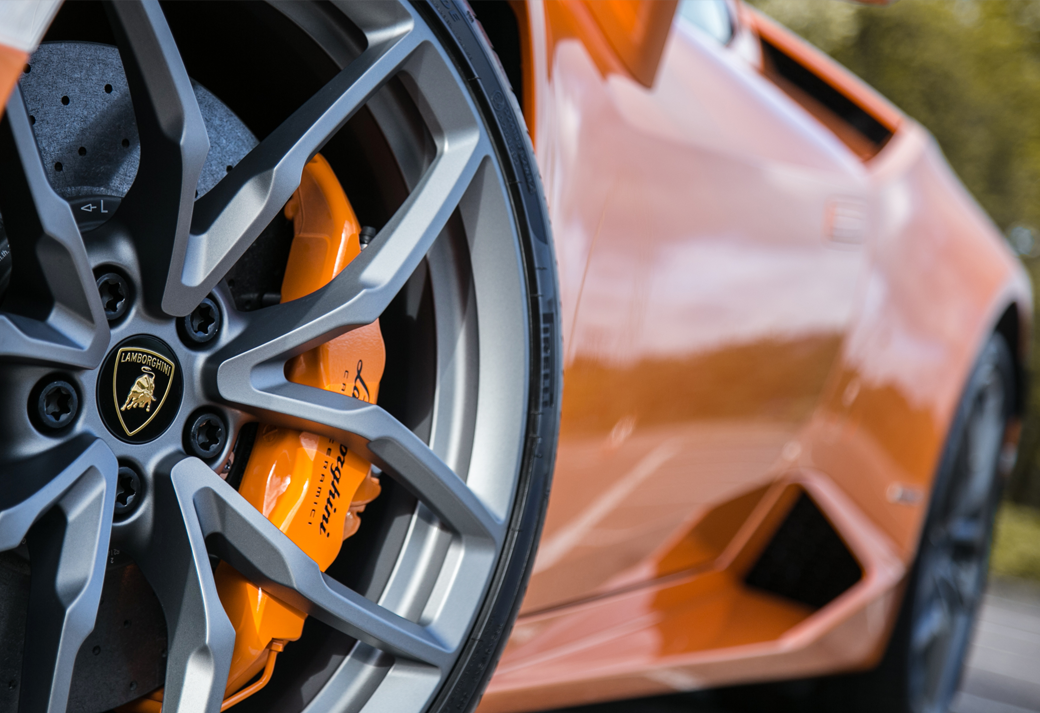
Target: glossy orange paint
column 636, row 30
column 623, row 37
column 703, row 627
column 752, row 303
column 300, row 481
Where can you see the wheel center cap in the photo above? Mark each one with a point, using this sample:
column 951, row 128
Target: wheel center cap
column 139, row 389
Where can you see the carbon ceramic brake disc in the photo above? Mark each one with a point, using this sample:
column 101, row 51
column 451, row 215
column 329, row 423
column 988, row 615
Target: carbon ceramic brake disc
column 80, row 108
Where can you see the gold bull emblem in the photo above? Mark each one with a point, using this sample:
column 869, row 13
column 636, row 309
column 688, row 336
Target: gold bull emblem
column 142, row 394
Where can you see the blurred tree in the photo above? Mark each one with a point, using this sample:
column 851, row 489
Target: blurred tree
column 968, row 70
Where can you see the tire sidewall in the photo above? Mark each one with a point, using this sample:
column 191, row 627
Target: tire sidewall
column 455, row 25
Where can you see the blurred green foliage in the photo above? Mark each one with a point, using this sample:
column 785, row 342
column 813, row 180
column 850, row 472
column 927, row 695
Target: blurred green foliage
column 1016, row 542
column 969, row 71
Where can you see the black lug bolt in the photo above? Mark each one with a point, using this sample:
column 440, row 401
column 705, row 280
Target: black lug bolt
column 366, row 235
column 115, row 295
column 206, row 436
column 57, row 404
column 128, row 491
column 203, row 323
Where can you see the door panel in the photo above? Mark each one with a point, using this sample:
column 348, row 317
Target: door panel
column 710, row 237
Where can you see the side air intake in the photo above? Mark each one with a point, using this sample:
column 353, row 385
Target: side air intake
column 806, row 560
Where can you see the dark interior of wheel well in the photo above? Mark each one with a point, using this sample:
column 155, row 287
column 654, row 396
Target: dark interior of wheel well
column 1008, row 327
column 502, row 30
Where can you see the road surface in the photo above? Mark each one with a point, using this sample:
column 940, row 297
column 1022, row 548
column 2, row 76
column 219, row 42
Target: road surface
column 1003, row 671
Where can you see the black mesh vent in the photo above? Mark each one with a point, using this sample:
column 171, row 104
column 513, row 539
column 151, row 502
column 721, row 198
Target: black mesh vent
column 806, row 560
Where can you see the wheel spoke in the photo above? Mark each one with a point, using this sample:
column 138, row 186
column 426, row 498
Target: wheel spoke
column 68, row 549
column 174, row 144
column 67, row 523
column 201, row 637
column 24, row 498
column 985, row 430
column 229, row 218
column 250, row 373
column 949, row 586
column 378, row 437
column 364, row 289
column 52, row 311
column 930, row 624
column 262, row 553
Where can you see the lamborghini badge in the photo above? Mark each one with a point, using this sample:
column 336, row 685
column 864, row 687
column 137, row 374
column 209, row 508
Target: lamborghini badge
column 143, row 379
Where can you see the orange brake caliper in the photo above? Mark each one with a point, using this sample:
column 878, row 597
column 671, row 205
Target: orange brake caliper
column 311, row 487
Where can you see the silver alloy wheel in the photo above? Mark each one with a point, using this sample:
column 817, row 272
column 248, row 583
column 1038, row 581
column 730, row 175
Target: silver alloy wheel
column 492, row 417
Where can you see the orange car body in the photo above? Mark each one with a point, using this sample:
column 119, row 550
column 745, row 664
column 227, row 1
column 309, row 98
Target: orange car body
column 757, row 302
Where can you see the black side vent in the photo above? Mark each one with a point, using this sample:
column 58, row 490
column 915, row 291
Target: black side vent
column 806, row 560
column 823, row 96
